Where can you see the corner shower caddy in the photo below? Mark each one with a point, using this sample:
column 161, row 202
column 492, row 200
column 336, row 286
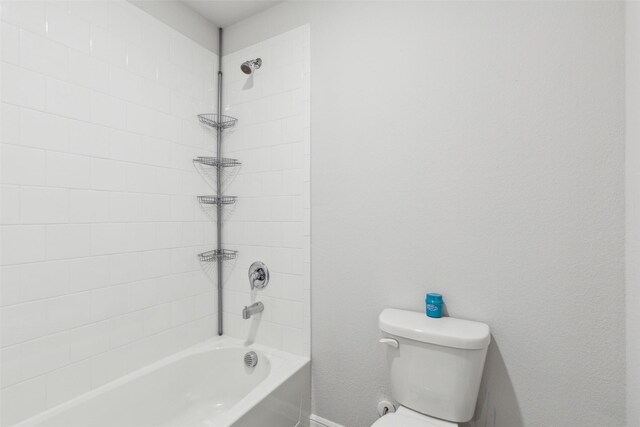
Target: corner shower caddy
column 219, row 122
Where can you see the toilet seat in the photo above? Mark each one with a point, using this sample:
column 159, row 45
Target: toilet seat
column 405, row 417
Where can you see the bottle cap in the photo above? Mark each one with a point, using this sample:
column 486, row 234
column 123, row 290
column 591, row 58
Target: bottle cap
column 435, row 298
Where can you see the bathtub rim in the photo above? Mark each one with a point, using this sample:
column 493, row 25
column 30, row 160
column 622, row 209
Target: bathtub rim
column 283, row 366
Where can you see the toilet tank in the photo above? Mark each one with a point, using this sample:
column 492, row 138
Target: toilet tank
column 437, row 365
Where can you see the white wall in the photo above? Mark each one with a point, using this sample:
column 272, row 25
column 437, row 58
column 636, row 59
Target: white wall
column 475, row 149
column 633, row 210
column 181, row 18
column 271, row 220
column 100, row 225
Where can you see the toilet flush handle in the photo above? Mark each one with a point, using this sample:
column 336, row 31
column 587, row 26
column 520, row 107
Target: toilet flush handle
column 390, row 342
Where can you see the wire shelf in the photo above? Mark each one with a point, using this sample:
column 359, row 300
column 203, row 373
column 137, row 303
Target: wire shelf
column 217, row 122
column 215, row 200
column 213, row 255
column 217, row 162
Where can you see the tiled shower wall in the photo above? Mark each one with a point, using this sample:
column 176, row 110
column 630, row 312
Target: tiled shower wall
column 100, row 226
column 271, row 220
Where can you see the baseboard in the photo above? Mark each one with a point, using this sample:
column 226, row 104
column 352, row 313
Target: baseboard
column 317, row 421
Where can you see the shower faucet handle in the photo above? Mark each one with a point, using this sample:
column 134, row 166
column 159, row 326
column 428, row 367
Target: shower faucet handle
column 258, row 275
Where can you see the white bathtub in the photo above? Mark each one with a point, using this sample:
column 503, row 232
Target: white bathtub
column 205, row 385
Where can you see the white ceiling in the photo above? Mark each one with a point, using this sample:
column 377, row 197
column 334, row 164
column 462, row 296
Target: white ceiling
column 226, row 12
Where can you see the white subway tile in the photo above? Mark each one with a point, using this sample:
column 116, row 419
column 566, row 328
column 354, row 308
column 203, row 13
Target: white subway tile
column 183, row 311
column 44, row 354
column 108, row 302
column 142, row 62
column 286, row 312
column 44, row 280
column 183, row 260
column 94, row 11
column 108, row 238
column 43, row 130
column 142, row 294
column 23, row 243
column 140, row 178
column 68, row 29
column 23, row 322
column 107, row 110
column 10, row 44
column 143, row 352
column 141, row 237
column 89, row 340
column 10, row 132
column 270, row 334
column 168, row 181
column 69, row 171
column 68, row 100
column 125, row 267
column 169, row 234
column 124, row 85
column 68, row 241
column 44, row 205
column 43, row 56
column 88, row 206
column 168, row 127
column 156, row 151
column 181, row 51
column 108, row 175
column 205, row 304
column 156, row 96
column 108, row 366
column 126, row 329
column 89, row 273
column 28, row 15
column 156, row 263
column 108, row 47
column 88, row 71
column 293, row 75
column 88, row 139
column 10, row 285
column 125, row 207
column 168, row 289
column 292, row 130
column 23, row 400
column 157, row 319
column 23, row 87
column 10, row 366
column 10, row 207
column 293, row 341
column 169, row 74
column 68, row 382
column 140, row 119
column 69, row 311
column 155, row 207
column 124, row 20
column 125, row 145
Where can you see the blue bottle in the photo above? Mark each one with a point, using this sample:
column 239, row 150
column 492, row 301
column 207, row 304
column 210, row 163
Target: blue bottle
column 434, row 305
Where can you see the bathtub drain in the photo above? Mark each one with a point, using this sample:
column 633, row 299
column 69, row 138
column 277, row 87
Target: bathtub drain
column 251, row 359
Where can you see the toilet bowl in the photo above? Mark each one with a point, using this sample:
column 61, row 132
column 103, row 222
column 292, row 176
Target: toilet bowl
column 405, row 417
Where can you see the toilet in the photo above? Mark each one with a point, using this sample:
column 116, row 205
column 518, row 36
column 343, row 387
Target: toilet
column 435, row 368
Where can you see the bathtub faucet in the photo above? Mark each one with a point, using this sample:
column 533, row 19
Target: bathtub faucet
column 254, row 308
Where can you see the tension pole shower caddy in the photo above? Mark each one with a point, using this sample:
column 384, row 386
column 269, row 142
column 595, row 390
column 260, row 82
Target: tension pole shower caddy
column 219, row 122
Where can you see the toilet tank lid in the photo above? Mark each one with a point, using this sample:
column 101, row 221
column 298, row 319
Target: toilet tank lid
column 445, row 331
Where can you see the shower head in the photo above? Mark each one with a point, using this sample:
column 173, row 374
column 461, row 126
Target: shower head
column 248, row 67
